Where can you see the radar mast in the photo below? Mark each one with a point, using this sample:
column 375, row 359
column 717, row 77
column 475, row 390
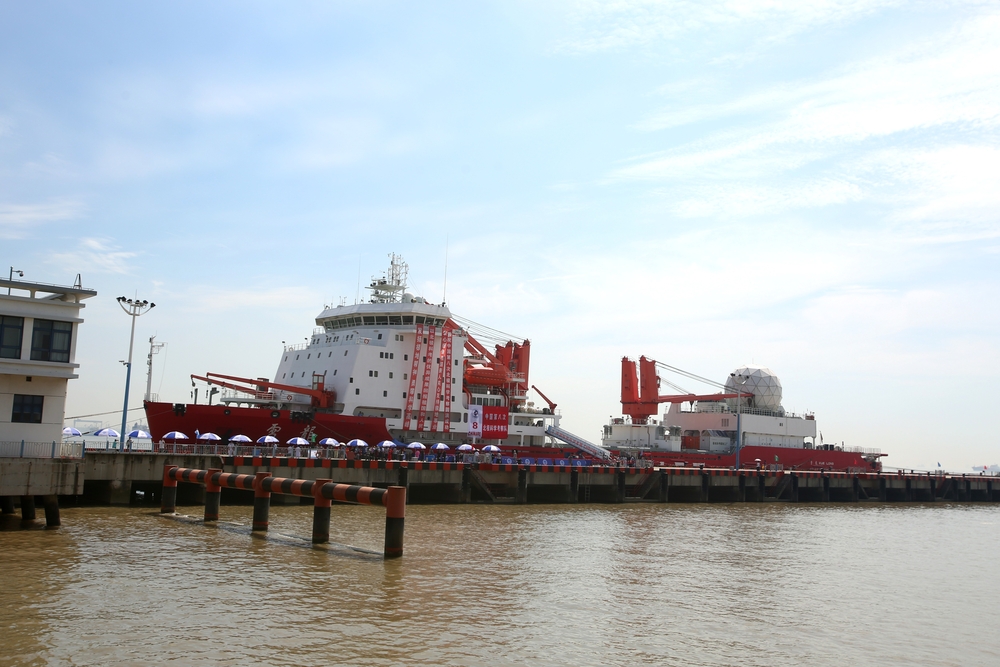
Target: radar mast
column 391, row 286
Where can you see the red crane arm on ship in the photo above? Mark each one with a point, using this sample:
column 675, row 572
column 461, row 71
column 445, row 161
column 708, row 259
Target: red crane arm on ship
column 322, row 397
column 640, row 397
column 552, row 406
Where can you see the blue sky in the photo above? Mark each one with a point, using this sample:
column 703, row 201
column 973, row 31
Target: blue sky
column 812, row 188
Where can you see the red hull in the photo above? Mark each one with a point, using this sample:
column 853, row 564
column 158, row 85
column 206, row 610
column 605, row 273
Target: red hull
column 255, row 422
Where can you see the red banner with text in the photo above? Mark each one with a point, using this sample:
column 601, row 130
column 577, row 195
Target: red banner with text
column 495, row 422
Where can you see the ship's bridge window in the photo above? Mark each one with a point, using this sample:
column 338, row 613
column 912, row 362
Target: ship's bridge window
column 381, row 319
column 395, row 319
column 420, row 319
column 407, row 319
column 369, row 320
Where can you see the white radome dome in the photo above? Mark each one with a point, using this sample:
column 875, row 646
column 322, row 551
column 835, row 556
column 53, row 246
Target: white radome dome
column 761, row 382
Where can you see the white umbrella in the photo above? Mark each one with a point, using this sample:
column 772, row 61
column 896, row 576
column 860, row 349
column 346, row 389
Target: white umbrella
column 297, row 441
column 415, row 445
column 330, row 442
column 267, row 439
column 175, row 435
column 209, row 436
column 107, row 433
column 491, row 448
column 240, row 438
column 139, row 433
column 385, row 444
column 441, row 446
column 465, row 448
column 69, row 430
column 357, row 443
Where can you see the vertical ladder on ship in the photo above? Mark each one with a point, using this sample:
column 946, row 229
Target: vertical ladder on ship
column 443, row 378
column 413, row 378
column 425, row 386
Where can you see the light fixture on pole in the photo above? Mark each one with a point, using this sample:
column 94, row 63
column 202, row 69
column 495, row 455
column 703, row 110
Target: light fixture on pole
column 739, row 400
column 20, row 274
column 133, row 308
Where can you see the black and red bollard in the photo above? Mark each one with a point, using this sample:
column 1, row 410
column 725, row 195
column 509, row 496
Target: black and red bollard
column 261, row 502
column 321, row 513
column 395, row 512
column 213, row 493
column 168, row 498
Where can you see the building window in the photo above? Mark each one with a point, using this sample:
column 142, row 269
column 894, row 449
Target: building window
column 390, row 375
column 385, row 394
column 405, row 376
column 380, row 335
column 50, row 340
column 406, row 357
column 27, row 409
column 11, row 330
column 357, row 392
column 392, row 356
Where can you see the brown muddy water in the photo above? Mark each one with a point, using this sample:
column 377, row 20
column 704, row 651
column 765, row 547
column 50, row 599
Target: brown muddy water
column 770, row 584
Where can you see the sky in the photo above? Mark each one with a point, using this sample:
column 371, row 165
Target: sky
column 810, row 187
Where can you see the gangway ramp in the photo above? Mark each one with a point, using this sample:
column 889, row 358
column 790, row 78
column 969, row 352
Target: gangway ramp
column 578, row 442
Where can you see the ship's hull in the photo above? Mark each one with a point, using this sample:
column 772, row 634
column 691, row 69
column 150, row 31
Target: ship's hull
column 226, row 421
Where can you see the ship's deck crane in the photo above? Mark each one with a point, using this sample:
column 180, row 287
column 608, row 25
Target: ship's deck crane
column 321, row 396
column 552, row 406
column 641, row 394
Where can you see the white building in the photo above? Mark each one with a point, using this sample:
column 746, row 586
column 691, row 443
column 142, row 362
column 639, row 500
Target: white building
column 38, row 334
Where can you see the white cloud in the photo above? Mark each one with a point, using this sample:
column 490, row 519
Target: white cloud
column 607, row 26
column 17, row 219
column 98, row 255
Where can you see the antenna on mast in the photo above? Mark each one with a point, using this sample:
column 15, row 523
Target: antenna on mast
column 357, row 294
column 444, row 297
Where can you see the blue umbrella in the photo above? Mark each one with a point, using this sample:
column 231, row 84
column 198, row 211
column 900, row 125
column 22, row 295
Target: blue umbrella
column 209, row 436
column 175, row 435
column 465, row 448
column 329, row 442
column 357, row 442
column 298, row 441
column 107, row 433
column 415, row 445
column 267, row 439
column 69, row 430
column 240, row 438
column 139, row 433
column 491, row 448
column 441, row 446
column 385, row 444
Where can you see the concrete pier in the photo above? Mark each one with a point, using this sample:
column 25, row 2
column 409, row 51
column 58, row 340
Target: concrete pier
column 499, row 483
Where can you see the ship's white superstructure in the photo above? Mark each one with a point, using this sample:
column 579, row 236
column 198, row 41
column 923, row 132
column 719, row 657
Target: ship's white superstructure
column 406, row 360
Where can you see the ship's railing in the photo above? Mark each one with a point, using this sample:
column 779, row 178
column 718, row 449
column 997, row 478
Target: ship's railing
column 24, row 449
column 298, row 346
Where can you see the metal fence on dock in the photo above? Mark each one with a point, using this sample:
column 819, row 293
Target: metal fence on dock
column 23, row 449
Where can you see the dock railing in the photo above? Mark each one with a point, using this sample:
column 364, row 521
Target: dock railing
column 25, row 449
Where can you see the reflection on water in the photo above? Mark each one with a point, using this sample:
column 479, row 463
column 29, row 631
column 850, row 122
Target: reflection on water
column 681, row 584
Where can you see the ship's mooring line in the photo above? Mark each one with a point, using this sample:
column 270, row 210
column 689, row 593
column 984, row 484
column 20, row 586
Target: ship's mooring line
column 99, row 414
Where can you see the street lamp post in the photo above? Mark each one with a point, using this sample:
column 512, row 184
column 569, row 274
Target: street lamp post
column 133, row 308
column 19, row 273
column 739, row 400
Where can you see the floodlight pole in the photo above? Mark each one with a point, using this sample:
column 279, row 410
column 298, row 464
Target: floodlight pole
column 133, row 308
